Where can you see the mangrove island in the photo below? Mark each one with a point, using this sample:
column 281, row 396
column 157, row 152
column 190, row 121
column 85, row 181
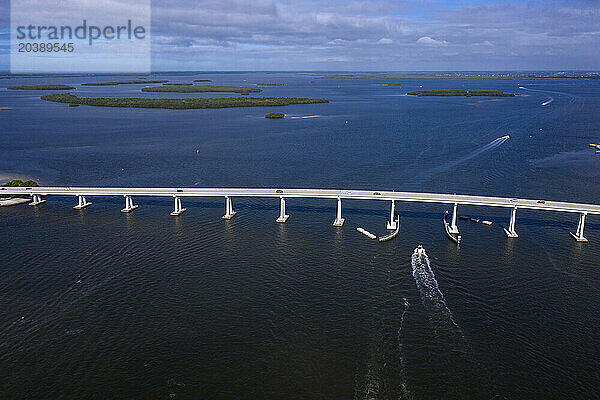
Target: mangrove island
column 181, row 104
column 201, row 89
column 20, row 183
column 465, row 93
column 274, row 115
column 127, row 82
column 42, row 87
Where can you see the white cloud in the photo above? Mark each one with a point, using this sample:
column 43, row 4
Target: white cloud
column 295, row 33
column 385, row 41
column 427, row 41
column 330, row 59
column 337, row 41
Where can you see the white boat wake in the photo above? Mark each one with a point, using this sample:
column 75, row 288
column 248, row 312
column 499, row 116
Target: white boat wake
column 550, row 100
column 405, row 393
column 459, row 363
column 432, row 297
column 449, row 165
column 375, row 381
column 305, row 117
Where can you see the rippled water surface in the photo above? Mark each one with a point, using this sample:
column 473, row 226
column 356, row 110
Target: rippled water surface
column 100, row 304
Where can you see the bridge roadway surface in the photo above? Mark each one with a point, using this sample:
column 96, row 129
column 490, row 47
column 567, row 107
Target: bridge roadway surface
column 311, row 193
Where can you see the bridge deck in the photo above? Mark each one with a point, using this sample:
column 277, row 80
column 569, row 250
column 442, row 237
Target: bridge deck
column 311, row 193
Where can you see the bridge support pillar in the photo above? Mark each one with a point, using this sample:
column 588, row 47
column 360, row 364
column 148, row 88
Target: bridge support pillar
column 178, row 209
column 510, row 232
column 129, row 207
column 392, row 222
column 229, row 213
column 282, row 215
column 339, row 221
column 580, row 226
column 453, row 227
column 82, row 202
column 36, row 199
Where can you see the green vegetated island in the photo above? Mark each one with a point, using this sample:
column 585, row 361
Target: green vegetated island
column 42, row 87
column 186, row 103
column 20, row 183
column 274, row 115
column 270, row 84
column 202, row 80
column 201, row 89
column 465, row 93
column 127, row 82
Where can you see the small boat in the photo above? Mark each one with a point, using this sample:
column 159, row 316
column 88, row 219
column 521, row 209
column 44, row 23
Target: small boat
column 419, row 251
column 475, row 220
column 486, row 222
column 463, row 217
column 455, row 237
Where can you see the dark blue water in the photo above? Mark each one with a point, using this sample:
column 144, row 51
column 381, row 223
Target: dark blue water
column 99, row 304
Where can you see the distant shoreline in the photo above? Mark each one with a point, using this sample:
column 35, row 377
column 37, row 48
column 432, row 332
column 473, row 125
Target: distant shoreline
column 508, row 75
column 465, row 75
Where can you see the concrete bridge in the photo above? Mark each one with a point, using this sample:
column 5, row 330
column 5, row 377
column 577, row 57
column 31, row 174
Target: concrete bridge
column 177, row 194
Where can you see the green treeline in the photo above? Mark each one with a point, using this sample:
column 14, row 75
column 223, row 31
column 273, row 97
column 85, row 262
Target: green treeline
column 127, row 82
column 20, row 183
column 465, row 93
column 186, row 103
column 201, row 89
column 274, row 115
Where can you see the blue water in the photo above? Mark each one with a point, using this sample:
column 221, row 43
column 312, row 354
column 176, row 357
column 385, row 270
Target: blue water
column 98, row 304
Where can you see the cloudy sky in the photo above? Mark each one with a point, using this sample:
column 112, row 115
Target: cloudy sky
column 370, row 35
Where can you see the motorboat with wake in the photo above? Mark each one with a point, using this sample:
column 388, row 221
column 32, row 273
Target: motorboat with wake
column 419, row 251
